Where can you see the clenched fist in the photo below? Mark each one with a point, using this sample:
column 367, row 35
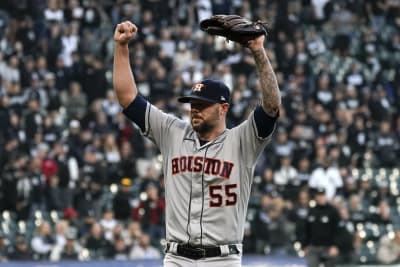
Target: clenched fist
column 124, row 32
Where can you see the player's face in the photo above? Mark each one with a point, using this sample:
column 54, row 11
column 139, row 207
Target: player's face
column 204, row 116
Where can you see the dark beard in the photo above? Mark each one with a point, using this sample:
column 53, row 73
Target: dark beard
column 202, row 128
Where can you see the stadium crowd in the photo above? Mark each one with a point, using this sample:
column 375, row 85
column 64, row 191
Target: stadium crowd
column 78, row 181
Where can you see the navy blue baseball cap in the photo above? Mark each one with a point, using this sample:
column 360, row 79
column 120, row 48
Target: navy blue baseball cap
column 208, row 90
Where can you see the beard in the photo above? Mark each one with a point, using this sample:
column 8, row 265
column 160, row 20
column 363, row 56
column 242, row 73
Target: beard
column 201, row 126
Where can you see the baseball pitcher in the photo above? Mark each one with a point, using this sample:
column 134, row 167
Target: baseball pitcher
column 208, row 168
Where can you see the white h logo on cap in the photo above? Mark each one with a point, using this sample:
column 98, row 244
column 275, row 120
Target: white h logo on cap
column 197, row 87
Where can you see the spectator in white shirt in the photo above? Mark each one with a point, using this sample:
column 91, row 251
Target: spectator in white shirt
column 43, row 242
column 328, row 177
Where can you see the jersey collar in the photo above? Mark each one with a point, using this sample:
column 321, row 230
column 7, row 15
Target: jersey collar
column 192, row 136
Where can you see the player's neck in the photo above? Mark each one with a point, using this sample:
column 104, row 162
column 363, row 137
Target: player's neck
column 211, row 135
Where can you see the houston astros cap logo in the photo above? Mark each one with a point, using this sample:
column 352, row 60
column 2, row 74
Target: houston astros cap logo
column 197, row 87
column 208, row 90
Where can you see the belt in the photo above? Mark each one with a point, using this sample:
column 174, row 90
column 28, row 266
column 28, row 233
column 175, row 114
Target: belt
column 197, row 252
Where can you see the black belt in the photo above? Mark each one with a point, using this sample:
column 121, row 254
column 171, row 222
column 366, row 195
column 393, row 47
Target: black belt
column 197, row 252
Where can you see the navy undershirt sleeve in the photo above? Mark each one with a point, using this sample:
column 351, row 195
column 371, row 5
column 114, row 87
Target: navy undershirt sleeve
column 136, row 111
column 265, row 124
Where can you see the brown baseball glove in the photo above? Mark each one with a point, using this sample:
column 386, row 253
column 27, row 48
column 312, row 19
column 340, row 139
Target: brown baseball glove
column 234, row 28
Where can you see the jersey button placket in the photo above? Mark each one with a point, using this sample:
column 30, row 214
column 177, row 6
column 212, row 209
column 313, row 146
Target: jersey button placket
column 196, row 204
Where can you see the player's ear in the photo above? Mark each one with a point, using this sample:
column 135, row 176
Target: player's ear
column 224, row 108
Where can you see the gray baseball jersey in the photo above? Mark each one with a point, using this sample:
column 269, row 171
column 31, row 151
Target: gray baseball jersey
column 207, row 187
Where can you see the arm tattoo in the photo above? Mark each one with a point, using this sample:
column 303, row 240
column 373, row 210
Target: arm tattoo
column 271, row 97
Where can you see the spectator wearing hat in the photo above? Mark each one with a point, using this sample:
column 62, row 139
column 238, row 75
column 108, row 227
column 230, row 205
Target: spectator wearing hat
column 322, row 228
column 71, row 248
column 122, row 200
column 87, row 219
column 21, row 250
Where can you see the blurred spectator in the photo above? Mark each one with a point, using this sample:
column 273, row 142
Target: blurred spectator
column 43, row 241
column 134, row 232
column 267, row 184
column 75, row 102
column 63, row 140
column 21, row 250
column 346, row 238
column 382, row 215
column 108, row 223
column 150, row 212
column 386, row 145
column 389, row 248
column 88, row 218
column 356, row 213
column 270, row 227
column 303, row 169
column 4, row 250
column 298, row 215
column 33, row 119
column 120, row 250
column 112, row 157
column 127, row 165
column 54, row 194
column 143, row 249
column 286, row 177
column 322, row 229
column 122, row 200
column 97, row 244
column 37, row 182
column 327, row 177
column 283, row 146
column 71, row 249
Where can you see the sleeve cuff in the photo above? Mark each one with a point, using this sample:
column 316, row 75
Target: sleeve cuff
column 136, row 112
column 265, row 123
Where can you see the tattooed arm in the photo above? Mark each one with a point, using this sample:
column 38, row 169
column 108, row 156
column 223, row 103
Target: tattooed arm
column 271, row 96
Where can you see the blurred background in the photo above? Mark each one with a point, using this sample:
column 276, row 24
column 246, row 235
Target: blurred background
column 79, row 182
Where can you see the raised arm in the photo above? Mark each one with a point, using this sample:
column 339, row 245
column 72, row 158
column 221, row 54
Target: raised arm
column 271, row 96
column 123, row 81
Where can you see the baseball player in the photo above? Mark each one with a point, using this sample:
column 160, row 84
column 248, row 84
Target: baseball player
column 208, row 168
